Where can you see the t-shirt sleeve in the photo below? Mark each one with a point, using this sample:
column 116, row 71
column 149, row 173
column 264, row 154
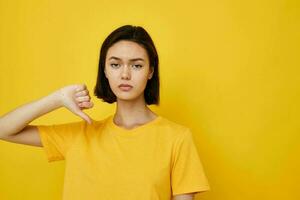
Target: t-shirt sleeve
column 187, row 171
column 58, row 138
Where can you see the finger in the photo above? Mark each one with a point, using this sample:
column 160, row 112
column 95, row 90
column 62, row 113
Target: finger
column 80, row 87
column 83, row 99
column 86, row 105
column 82, row 93
column 83, row 116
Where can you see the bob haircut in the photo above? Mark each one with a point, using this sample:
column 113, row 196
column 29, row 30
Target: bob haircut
column 140, row 36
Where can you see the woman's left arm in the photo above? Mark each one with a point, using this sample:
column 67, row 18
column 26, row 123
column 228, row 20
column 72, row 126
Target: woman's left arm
column 188, row 196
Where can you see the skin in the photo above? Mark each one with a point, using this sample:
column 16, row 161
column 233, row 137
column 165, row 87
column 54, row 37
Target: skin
column 132, row 110
column 187, row 196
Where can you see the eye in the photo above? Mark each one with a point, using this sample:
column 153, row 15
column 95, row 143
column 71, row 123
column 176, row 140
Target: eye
column 113, row 64
column 139, row 66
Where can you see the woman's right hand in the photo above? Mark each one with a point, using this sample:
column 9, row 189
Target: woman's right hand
column 76, row 98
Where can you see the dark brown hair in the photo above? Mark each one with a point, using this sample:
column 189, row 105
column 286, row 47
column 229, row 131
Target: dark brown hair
column 139, row 35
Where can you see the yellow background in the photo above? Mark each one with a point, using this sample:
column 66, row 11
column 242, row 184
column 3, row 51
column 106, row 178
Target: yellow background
column 229, row 70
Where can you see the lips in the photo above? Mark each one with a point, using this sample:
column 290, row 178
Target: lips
column 125, row 85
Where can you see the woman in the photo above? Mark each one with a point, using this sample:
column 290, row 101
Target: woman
column 133, row 154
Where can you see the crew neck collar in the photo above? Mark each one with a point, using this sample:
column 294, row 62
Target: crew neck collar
column 121, row 131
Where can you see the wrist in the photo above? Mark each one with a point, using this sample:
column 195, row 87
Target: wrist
column 55, row 99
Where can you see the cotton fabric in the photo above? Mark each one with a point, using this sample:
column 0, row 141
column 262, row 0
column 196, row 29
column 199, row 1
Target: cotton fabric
column 105, row 161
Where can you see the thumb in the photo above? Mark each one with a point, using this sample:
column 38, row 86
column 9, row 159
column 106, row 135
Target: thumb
column 83, row 115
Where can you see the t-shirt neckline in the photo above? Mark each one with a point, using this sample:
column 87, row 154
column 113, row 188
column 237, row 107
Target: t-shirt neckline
column 120, row 131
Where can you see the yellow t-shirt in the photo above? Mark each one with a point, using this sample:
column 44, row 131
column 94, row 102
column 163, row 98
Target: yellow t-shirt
column 104, row 161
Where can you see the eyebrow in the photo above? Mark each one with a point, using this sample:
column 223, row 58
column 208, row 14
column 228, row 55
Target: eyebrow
column 133, row 59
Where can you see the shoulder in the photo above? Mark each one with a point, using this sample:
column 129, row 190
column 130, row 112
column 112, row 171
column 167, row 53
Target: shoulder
column 97, row 124
column 174, row 128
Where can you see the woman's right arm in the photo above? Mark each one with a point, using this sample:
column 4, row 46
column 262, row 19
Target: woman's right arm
column 14, row 125
column 16, row 120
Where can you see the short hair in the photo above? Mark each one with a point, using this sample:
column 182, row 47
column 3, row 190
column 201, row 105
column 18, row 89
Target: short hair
column 138, row 35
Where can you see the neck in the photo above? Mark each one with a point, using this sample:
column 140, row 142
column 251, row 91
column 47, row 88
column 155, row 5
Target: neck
column 133, row 112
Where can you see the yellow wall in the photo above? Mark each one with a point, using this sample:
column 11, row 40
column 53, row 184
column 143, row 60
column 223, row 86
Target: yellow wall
column 229, row 70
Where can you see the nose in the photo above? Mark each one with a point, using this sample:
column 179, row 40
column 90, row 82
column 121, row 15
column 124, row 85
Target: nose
column 125, row 72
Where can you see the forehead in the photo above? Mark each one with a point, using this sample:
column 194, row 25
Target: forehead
column 126, row 50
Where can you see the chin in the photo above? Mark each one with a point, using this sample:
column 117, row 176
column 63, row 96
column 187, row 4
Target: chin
column 127, row 96
column 125, row 99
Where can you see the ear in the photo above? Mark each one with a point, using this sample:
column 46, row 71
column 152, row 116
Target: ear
column 105, row 72
column 151, row 74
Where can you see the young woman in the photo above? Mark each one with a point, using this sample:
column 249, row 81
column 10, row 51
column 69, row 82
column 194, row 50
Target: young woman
column 132, row 154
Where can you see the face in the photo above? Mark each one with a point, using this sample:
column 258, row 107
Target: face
column 127, row 63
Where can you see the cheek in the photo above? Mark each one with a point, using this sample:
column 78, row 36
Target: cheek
column 111, row 76
column 111, row 80
column 142, row 81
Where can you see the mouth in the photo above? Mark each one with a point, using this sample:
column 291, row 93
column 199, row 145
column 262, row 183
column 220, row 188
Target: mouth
column 125, row 87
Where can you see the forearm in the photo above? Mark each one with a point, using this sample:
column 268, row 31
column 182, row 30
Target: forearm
column 188, row 196
column 14, row 121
